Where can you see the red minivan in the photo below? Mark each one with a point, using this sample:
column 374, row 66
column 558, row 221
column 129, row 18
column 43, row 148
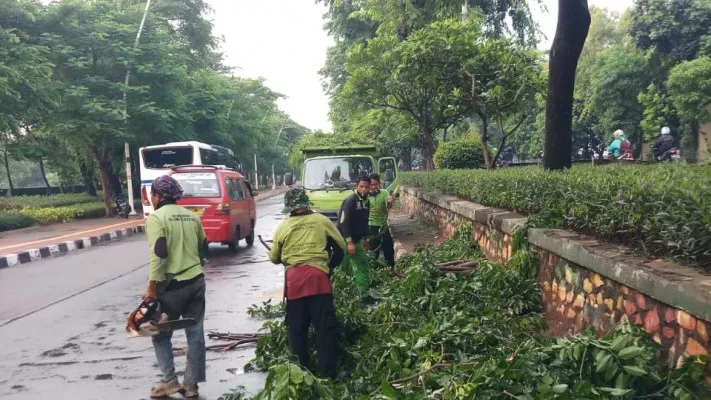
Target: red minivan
column 222, row 198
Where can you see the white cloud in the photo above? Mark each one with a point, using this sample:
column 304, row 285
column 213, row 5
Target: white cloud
column 284, row 42
column 548, row 20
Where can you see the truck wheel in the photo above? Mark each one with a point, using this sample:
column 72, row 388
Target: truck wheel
column 234, row 244
column 250, row 239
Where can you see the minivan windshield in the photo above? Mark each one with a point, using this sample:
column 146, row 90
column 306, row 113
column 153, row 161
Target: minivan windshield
column 167, row 157
column 198, row 184
column 335, row 172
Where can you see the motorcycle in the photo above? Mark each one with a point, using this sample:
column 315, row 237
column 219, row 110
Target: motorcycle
column 121, row 207
column 671, row 155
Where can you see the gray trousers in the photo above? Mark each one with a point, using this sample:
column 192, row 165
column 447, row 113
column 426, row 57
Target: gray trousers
column 186, row 302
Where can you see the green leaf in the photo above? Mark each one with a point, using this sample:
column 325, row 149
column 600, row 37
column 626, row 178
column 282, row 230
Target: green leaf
column 603, row 363
column 634, row 370
column 560, row 388
column 630, row 352
column 387, row 390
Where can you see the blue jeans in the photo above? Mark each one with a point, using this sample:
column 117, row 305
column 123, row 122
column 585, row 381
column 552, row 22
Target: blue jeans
column 186, row 302
column 195, row 368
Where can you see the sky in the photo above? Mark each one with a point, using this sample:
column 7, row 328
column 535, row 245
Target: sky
column 283, row 41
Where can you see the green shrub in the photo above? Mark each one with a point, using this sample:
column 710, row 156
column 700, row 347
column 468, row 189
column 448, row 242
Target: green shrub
column 10, row 221
column 460, row 154
column 45, row 216
column 90, row 210
column 55, row 200
column 662, row 210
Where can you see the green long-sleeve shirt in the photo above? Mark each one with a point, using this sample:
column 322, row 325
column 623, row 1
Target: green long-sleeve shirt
column 379, row 208
column 184, row 238
column 305, row 238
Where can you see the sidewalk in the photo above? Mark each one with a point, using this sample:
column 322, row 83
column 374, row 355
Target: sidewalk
column 28, row 244
column 408, row 231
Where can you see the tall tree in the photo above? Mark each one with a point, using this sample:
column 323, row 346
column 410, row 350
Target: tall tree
column 571, row 31
column 420, row 76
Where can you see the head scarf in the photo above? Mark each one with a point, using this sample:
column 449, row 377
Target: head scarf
column 167, row 188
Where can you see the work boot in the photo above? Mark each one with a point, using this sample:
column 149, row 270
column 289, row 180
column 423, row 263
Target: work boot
column 190, row 391
column 165, row 389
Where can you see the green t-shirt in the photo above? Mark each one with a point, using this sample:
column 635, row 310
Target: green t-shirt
column 303, row 238
column 184, row 236
column 379, row 208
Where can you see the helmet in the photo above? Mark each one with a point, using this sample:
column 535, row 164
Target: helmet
column 618, row 133
column 294, row 199
column 666, row 130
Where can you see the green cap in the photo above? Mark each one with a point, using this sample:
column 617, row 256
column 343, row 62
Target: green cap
column 294, row 199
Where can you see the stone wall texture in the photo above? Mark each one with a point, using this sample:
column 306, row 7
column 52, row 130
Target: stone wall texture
column 576, row 297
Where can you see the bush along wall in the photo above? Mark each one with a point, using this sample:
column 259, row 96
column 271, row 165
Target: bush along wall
column 587, row 283
column 659, row 210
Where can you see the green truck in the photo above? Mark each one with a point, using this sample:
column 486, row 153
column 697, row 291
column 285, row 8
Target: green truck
column 329, row 174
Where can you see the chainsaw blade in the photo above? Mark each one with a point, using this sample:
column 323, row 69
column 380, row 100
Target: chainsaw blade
column 169, row 326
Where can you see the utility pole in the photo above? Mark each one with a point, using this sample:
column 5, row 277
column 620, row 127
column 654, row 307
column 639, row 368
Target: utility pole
column 273, row 179
column 256, row 174
column 465, row 11
column 126, row 147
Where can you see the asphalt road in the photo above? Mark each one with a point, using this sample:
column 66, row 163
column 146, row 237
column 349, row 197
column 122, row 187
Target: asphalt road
column 62, row 320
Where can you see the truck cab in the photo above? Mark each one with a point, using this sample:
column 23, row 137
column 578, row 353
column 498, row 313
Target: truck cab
column 329, row 174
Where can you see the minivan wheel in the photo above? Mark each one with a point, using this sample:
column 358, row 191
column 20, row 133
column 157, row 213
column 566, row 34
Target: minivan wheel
column 234, row 244
column 250, row 239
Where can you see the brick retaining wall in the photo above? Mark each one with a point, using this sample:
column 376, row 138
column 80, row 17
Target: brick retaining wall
column 585, row 282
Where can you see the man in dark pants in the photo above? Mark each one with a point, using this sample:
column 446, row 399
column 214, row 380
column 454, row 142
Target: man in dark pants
column 303, row 243
column 380, row 239
column 177, row 249
column 353, row 224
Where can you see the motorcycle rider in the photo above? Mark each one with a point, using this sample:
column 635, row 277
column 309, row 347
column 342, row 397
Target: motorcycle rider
column 663, row 146
column 620, row 148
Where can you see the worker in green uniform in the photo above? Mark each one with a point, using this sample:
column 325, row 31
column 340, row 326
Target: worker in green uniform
column 308, row 245
column 380, row 238
column 353, row 225
column 177, row 249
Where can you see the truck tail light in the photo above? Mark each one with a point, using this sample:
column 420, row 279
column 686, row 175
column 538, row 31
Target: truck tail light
column 223, row 208
column 144, row 197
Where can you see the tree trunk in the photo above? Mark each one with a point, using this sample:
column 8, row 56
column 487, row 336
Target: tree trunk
column 485, row 141
column 428, row 146
column 86, row 176
column 10, row 187
column 570, row 34
column 406, row 159
column 102, row 159
column 116, row 187
column 43, row 172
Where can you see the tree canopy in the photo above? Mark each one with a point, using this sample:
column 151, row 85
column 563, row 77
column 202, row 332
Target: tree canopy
column 64, row 99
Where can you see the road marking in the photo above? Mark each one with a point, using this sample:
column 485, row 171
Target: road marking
column 70, row 234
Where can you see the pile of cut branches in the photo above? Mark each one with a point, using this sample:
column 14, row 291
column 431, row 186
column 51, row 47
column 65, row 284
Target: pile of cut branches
column 474, row 334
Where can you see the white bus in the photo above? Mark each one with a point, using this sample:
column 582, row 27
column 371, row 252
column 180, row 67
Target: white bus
column 159, row 159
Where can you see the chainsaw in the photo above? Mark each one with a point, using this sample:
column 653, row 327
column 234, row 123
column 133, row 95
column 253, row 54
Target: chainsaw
column 149, row 320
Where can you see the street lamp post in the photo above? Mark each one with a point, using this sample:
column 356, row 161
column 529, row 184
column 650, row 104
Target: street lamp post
column 126, row 146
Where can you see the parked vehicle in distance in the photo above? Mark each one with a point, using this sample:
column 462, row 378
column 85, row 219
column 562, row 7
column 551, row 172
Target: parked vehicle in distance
column 222, row 198
column 157, row 160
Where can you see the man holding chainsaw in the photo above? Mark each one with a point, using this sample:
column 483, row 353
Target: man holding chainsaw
column 177, row 248
column 380, row 238
column 303, row 243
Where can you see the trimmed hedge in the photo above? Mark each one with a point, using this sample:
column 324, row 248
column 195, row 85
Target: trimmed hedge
column 28, row 216
column 56, row 200
column 460, row 154
column 663, row 210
